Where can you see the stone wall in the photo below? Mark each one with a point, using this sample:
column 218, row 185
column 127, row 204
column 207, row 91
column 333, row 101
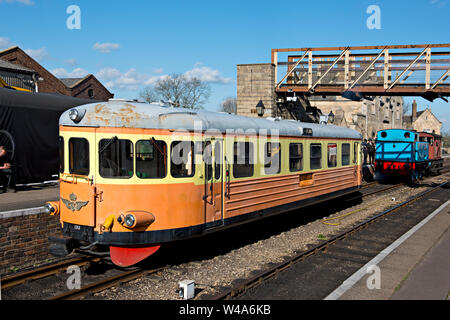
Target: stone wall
column 255, row 82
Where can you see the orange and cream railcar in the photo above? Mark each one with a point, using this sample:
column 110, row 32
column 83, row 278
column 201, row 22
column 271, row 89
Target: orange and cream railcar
column 135, row 176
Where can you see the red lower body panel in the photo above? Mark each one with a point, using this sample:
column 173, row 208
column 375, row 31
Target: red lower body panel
column 128, row 256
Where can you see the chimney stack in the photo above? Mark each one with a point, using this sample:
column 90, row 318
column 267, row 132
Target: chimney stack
column 414, row 110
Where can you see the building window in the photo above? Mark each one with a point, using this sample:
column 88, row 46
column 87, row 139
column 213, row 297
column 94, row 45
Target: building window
column 151, row 159
column 243, row 159
column 115, row 158
column 332, row 155
column 315, row 156
column 272, row 158
column 295, row 157
column 91, row 93
column 182, row 159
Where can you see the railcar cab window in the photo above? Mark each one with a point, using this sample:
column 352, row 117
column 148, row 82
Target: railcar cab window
column 295, row 157
column 272, row 158
column 243, row 159
column 79, row 156
column 345, row 154
column 116, row 158
column 151, row 159
column 332, row 155
column 61, row 154
column 315, row 156
column 182, row 159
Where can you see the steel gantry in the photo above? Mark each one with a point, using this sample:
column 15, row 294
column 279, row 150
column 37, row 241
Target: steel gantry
column 390, row 70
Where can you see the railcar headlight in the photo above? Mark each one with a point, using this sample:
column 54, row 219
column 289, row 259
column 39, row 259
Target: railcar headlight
column 129, row 220
column 48, row 208
column 76, row 115
column 51, row 208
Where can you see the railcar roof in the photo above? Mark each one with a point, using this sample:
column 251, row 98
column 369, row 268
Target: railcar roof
column 125, row 114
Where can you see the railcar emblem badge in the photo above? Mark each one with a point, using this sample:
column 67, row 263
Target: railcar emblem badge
column 73, row 204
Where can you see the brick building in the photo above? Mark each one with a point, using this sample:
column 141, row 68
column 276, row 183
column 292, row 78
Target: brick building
column 45, row 81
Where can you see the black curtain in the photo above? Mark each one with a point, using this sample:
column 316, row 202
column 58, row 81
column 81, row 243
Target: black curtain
column 33, row 119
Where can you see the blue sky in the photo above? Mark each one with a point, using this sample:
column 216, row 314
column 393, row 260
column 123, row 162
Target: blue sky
column 130, row 44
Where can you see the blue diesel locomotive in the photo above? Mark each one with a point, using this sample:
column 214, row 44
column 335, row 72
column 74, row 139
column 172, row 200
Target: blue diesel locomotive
column 407, row 154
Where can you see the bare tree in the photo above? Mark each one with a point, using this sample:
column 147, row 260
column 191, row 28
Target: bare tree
column 190, row 93
column 229, row 105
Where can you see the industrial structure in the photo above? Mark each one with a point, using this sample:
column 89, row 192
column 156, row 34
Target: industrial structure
column 305, row 83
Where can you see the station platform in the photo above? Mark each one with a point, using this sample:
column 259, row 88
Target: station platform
column 415, row 267
column 29, row 196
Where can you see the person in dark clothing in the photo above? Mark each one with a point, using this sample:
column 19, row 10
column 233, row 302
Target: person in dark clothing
column 365, row 149
column 371, row 151
column 7, row 178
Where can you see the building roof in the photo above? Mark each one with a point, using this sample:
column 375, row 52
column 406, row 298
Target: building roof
column 71, row 82
column 14, row 67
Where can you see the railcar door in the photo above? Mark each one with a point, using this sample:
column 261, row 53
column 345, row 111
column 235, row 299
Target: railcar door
column 214, row 182
column 77, row 189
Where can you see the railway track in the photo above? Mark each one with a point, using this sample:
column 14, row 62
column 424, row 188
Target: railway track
column 124, row 276
column 104, row 284
column 44, row 271
column 248, row 284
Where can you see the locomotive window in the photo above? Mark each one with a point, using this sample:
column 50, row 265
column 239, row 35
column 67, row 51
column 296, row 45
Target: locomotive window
column 295, row 157
column 383, row 134
column 332, row 155
column 79, row 156
column 345, row 154
column 116, row 158
column 316, row 156
column 243, row 159
column 151, row 159
column 61, row 154
column 407, row 135
column 272, row 158
column 182, row 159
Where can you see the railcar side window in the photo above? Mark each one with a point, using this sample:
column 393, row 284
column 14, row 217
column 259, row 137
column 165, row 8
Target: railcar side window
column 295, row 157
column 332, row 155
column 316, row 156
column 182, row 159
column 243, row 159
column 218, row 161
column 355, row 152
column 151, row 159
column 272, row 158
column 345, row 154
column 61, row 154
column 79, row 156
column 116, row 158
column 207, row 159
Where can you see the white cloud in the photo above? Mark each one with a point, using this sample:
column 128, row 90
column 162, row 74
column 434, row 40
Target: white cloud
column 38, row 54
column 132, row 80
column 106, row 47
column 207, row 74
column 5, row 43
column 75, row 73
column 158, row 70
column 27, row 2
column 71, row 62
